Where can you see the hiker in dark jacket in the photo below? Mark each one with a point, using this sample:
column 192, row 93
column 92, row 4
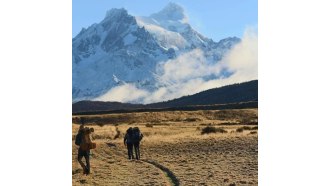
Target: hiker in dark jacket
column 137, row 137
column 84, row 147
column 128, row 142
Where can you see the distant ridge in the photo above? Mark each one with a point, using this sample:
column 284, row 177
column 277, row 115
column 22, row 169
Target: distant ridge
column 240, row 95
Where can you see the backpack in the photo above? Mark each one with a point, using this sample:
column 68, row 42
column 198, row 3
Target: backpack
column 78, row 139
column 136, row 135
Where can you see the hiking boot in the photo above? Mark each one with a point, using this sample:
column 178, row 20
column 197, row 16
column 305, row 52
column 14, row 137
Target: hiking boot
column 88, row 171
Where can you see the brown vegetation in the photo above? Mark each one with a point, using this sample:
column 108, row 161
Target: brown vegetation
column 210, row 129
column 237, row 116
column 172, row 150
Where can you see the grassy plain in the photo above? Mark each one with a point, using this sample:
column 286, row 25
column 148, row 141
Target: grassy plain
column 173, row 150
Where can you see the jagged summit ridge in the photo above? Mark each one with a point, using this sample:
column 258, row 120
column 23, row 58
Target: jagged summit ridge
column 172, row 12
column 115, row 12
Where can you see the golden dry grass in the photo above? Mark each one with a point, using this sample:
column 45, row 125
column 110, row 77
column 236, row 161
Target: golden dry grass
column 176, row 143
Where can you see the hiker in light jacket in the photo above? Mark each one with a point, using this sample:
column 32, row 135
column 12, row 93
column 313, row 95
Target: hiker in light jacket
column 84, row 148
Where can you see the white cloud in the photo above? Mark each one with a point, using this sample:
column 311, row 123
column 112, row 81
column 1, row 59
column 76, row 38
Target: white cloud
column 124, row 93
column 243, row 58
column 187, row 66
column 186, row 74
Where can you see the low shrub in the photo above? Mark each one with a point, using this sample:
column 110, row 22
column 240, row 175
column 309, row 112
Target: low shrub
column 149, row 125
column 205, row 124
column 97, row 136
column 221, row 130
column 246, row 128
column 191, row 119
column 117, row 135
column 249, row 121
column 239, row 129
column 229, row 123
column 100, row 124
column 210, row 129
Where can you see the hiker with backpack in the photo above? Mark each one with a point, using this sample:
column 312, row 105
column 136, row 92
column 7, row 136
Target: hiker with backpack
column 136, row 138
column 128, row 143
column 85, row 144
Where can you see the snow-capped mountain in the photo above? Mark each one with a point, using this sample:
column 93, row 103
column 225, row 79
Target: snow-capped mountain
column 128, row 49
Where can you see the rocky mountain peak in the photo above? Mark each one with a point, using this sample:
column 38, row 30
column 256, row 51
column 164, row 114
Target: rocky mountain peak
column 172, row 12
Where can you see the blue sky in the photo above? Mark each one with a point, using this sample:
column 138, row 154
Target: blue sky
column 215, row 19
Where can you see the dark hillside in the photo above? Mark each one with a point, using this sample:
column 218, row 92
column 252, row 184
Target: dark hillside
column 236, row 93
column 243, row 92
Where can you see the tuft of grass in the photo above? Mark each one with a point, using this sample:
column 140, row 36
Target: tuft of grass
column 241, row 129
column 246, row 128
column 249, row 121
column 100, row 124
column 117, row 133
column 98, row 136
column 191, row 119
column 156, row 121
column 229, row 123
column 149, row 125
column 253, row 132
column 205, row 124
column 177, row 120
column 210, row 129
column 221, row 130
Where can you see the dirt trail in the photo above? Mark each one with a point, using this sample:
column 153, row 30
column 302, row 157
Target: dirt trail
column 110, row 166
column 173, row 179
column 169, row 175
